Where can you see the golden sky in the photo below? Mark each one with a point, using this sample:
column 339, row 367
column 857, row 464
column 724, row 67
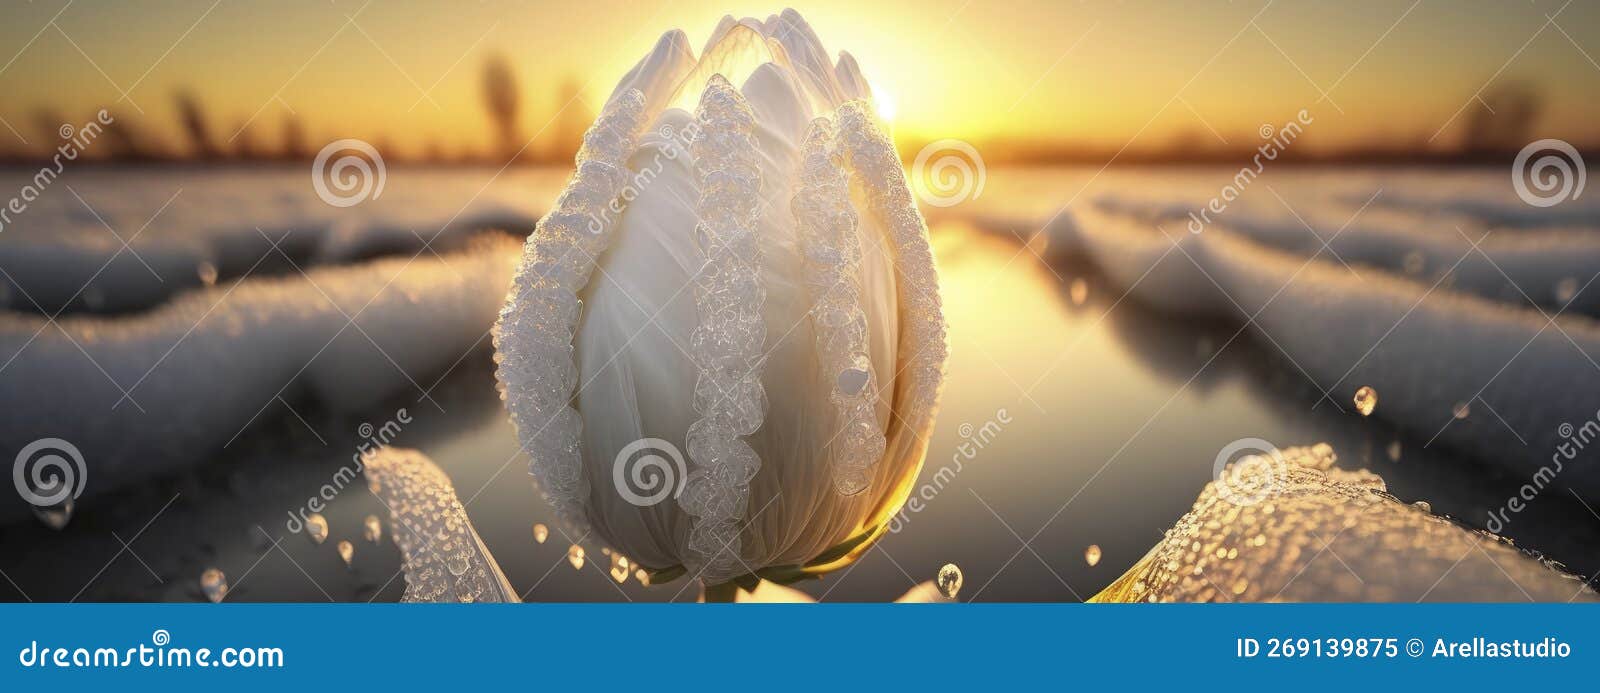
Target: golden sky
column 1103, row 74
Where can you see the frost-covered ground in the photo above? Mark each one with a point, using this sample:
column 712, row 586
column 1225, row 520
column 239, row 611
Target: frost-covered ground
column 182, row 230
column 217, row 373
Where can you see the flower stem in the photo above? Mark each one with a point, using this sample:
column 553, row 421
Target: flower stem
column 719, row 594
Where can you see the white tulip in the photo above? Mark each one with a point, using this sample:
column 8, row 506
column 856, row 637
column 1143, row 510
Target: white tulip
column 724, row 347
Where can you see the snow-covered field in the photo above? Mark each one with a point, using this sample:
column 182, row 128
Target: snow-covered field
column 243, row 303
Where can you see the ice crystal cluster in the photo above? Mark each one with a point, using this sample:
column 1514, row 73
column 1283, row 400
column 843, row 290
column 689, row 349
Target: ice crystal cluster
column 445, row 561
column 536, row 370
column 731, row 335
column 827, row 225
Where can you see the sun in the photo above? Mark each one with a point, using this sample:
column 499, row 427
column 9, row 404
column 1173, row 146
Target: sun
column 883, row 101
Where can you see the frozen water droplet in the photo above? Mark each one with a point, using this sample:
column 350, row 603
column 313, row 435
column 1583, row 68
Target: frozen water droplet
column 1424, row 506
column 347, row 551
column 642, row 577
column 1414, row 263
column 55, row 516
column 214, row 584
column 1091, row 555
column 457, row 563
column 540, row 532
column 1394, row 451
column 1366, row 400
column 1079, row 291
column 317, row 527
column 207, row 273
column 1462, row 410
column 619, row 567
column 575, row 557
column 853, row 379
column 949, row 580
column 374, row 529
column 1566, row 290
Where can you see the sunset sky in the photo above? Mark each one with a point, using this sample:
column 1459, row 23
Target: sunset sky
column 1102, row 74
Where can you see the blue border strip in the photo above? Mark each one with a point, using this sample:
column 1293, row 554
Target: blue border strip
column 787, row 647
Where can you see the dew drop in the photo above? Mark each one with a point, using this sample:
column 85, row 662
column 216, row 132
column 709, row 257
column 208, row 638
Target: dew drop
column 214, row 584
column 1566, row 290
column 949, row 580
column 642, row 576
column 374, row 529
column 540, row 532
column 1414, row 263
column 575, row 557
column 347, row 551
column 55, row 516
column 1461, row 410
column 853, row 380
column 458, row 563
column 1394, row 451
column 1424, row 506
column 317, row 527
column 619, row 567
column 1366, row 400
column 1079, row 291
column 207, row 273
column 1091, row 555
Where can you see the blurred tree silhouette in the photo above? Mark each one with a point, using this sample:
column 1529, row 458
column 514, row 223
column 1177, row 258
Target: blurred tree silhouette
column 294, row 140
column 502, row 99
column 192, row 116
column 1506, row 116
column 570, row 122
